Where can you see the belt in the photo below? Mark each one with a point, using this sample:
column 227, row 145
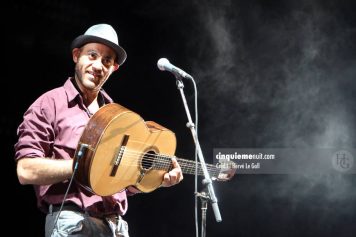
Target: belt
column 66, row 207
column 70, row 206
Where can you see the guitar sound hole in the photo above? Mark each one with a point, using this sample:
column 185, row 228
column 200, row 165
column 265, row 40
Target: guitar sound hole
column 148, row 159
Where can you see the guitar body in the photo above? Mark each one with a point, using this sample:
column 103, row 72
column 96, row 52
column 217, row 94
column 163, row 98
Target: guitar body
column 117, row 149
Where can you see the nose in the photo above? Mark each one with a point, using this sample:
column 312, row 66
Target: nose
column 97, row 64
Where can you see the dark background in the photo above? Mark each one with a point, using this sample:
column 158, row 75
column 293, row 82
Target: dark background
column 269, row 74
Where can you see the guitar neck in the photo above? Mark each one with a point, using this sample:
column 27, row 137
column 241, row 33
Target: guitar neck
column 187, row 166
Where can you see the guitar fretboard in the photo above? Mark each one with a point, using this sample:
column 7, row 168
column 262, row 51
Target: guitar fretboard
column 188, row 166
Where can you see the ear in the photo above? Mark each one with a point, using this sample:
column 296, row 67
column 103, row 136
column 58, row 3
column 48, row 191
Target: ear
column 75, row 54
column 115, row 67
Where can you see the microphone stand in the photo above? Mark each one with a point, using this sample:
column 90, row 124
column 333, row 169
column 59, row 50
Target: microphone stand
column 207, row 180
column 204, row 198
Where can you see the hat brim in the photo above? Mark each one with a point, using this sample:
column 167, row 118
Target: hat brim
column 85, row 39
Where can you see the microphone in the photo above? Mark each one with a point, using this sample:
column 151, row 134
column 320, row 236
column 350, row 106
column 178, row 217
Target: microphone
column 164, row 65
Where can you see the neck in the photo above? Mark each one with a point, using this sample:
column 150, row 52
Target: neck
column 89, row 97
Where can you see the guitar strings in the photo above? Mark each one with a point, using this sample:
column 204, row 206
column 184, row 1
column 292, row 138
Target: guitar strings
column 189, row 170
column 161, row 161
column 165, row 161
column 166, row 165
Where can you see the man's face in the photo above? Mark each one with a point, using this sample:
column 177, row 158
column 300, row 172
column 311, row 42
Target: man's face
column 94, row 64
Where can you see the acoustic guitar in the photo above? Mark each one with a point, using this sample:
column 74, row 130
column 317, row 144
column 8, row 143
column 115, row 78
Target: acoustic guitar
column 118, row 149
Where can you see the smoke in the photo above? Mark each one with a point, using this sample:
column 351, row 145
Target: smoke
column 276, row 76
column 276, row 73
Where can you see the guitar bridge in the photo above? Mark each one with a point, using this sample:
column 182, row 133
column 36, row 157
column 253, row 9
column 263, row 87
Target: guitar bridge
column 118, row 155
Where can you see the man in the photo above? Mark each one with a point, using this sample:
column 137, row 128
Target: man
column 49, row 135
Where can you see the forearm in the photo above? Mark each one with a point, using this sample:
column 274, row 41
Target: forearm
column 43, row 171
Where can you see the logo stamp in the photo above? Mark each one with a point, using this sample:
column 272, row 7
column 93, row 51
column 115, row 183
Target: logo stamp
column 342, row 160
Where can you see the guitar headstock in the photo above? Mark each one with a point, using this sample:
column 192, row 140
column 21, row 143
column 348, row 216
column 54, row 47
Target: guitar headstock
column 227, row 170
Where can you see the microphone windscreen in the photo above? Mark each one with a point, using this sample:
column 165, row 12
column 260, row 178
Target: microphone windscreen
column 162, row 63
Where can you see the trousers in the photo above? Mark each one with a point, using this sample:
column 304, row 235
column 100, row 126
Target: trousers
column 74, row 223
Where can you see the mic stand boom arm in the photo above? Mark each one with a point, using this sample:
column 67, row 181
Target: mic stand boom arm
column 207, row 179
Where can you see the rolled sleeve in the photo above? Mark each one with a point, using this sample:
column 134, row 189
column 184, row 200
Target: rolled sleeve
column 35, row 133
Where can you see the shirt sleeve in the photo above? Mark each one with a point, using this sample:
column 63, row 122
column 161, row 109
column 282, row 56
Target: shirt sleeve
column 35, row 133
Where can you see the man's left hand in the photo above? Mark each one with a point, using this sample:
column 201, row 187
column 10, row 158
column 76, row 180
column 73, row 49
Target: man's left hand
column 174, row 176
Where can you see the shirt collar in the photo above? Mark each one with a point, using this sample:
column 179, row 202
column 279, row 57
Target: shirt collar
column 72, row 92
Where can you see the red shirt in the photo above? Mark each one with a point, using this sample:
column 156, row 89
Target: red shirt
column 52, row 127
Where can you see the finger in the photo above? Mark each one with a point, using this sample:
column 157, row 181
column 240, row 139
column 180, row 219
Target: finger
column 180, row 177
column 177, row 169
column 173, row 175
column 166, row 178
column 176, row 175
column 175, row 163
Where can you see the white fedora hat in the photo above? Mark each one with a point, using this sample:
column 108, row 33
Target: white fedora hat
column 104, row 34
